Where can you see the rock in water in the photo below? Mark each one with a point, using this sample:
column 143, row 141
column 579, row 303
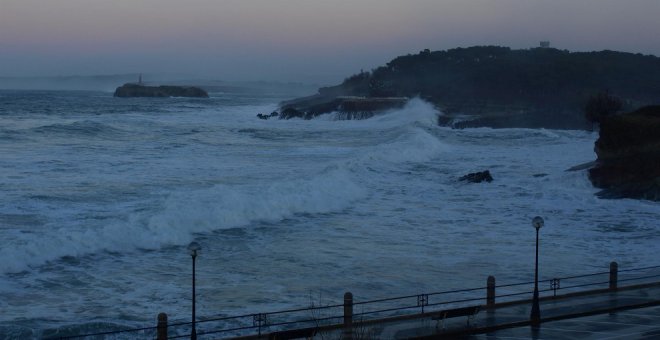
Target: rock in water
column 477, row 177
column 350, row 107
column 137, row 90
column 628, row 150
column 290, row 112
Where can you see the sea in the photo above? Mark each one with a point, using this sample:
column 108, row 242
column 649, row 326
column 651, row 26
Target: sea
column 100, row 197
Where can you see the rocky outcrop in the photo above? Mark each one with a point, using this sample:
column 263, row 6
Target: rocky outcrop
column 311, row 106
column 477, row 177
column 628, row 150
column 263, row 116
column 347, row 107
column 137, row 90
column 290, row 112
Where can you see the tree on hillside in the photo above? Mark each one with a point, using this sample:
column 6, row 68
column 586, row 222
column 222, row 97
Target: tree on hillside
column 602, row 105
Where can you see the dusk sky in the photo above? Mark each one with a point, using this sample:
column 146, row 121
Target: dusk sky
column 297, row 40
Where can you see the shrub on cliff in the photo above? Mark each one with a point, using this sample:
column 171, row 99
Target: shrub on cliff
column 630, row 133
column 602, row 105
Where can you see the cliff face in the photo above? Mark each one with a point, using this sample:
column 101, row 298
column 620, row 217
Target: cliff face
column 628, row 150
column 136, row 90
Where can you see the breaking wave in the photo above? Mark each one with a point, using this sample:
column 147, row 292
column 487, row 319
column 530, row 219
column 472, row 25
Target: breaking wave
column 185, row 211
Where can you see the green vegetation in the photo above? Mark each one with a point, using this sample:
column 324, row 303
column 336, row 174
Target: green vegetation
column 601, row 106
column 542, row 83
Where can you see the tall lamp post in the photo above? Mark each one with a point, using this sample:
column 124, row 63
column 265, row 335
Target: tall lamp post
column 535, row 316
column 193, row 247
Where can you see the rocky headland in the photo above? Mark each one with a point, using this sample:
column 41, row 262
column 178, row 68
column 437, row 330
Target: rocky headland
column 346, row 107
column 536, row 88
column 628, row 150
column 497, row 86
column 139, row 90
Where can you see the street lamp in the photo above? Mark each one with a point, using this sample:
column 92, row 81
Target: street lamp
column 535, row 316
column 193, row 247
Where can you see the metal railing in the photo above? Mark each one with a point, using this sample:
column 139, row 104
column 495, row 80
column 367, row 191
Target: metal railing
column 334, row 316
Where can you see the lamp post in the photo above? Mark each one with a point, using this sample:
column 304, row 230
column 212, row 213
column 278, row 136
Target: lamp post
column 193, row 247
column 535, row 316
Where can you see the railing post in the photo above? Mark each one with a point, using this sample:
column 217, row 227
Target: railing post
column 614, row 275
column 490, row 291
column 161, row 329
column 348, row 316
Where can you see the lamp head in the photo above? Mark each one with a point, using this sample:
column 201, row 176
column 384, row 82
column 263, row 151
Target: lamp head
column 537, row 222
column 193, row 248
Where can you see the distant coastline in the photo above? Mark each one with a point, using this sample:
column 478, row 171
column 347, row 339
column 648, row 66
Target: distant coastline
column 500, row 87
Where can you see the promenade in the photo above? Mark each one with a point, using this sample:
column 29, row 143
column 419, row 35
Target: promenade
column 614, row 304
column 641, row 323
column 628, row 313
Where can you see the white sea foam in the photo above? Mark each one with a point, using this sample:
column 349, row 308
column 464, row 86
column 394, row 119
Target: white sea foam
column 188, row 212
column 404, row 135
column 416, row 145
column 222, row 207
column 415, row 112
column 285, row 208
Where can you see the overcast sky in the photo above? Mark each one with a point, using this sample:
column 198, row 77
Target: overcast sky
column 297, row 40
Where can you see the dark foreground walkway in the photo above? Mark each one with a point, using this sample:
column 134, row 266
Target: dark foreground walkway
column 642, row 323
column 628, row 313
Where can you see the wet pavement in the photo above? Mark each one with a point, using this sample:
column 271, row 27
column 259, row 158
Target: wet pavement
column 631, row 313
column 641, row 323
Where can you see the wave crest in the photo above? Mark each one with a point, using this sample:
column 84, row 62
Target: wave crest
column 186, row 213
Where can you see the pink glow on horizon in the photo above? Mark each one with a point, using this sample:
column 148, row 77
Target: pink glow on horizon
column 342, row 35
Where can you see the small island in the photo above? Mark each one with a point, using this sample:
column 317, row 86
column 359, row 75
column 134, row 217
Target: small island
column 140, row 90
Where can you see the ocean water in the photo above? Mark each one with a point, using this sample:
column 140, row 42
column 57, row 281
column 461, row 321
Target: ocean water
column 100, row 196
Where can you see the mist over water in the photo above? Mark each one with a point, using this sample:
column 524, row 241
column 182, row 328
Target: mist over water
column 99, row 197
